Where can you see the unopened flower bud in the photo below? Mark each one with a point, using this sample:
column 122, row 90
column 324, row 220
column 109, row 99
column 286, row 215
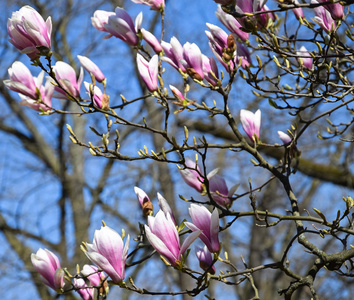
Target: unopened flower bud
column 231, row 44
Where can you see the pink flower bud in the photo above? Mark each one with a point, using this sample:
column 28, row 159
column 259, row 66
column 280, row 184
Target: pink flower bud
column 231, row 24
column 192, row 175
column 192, row 59
column 251, row 123
column 205, row 259
column 335, row 9
column 174, row 53
column 100, row 19
column 154, row 4
column 96, row 94
column 48, row 266
column 91, row 67
column 284, row 137
column 218, row 188
column 210, row 70
column 324, row 18
column 121, row 26
column 82, row 289
column 306, row 57
column 144, row 201
column 66, row 76
column 109, row 253
column 208, row 223
column 148, row 71
column 28, row 31
column 163, row 236
column 151, row 40
column 176, row 92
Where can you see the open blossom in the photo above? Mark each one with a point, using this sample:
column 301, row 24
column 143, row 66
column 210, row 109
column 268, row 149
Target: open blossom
column 109, row 253
column 148, row 71
column 144, row 201
column 91, row 67
column 205, row 259
column 192, row 175
column 66, row 76
column 154, row 4
column 151, row 40
column 28, row 30
column 251, row 123
column 305, row 56
column 208, row 223
column 163, row 236
column 231, row 24
column 30, row 88
column 118, row 24
column 324, row 18
column 48, row 266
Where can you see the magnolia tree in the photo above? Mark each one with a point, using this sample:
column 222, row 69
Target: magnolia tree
column 291, row 61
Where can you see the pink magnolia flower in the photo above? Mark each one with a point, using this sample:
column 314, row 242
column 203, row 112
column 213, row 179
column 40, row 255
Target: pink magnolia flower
column 163, row 236
column 335, row 9
column 148, row 71
column 251, row 123
column 284, row 137
column 82, row 289
column 177, row 93
column 48, row 266
column 174, row 54
column 121, row 26
column 95, row 278
column 192, row 175
column 231, row 24
column 323, row 18
column 91, row 67
column 193, row 60
column 151, row 40
column 154, row 4
column 218, row 43
column 22, row 81
column 144, row 201
column 298, row 12
column 108, row 254
column 28, row 31
column 205, row 259
column 218, row 189
column 210, row 70
column 95, row 93
column 30, row 89
column 66, row 76
column 100, row 19
column 250, row 6
column 305, row 56
column 208, row 223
